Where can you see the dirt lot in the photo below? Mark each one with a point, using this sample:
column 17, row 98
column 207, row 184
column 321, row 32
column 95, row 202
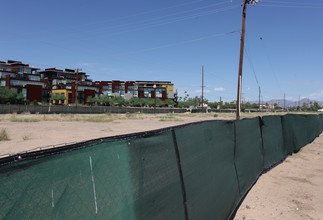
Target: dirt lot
column 292, row 190
column 27, row 131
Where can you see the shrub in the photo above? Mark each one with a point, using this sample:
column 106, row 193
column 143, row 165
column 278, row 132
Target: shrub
column 3, row 135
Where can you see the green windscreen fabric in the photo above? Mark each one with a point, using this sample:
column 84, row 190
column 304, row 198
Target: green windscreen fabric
column 195, row 171
column 126, row 179
column 299, row 130
column 207, row 161
column 248, row 156
column 313, row 127
column 273, row 142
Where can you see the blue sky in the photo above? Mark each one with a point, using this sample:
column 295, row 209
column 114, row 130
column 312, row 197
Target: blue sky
column 171, row 40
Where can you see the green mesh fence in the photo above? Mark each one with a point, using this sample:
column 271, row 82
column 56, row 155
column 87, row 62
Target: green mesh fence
column 299, row 130
column 127, row 179
column 273, row 142
column 248, row 155
column 207, row 160
column 196, row 171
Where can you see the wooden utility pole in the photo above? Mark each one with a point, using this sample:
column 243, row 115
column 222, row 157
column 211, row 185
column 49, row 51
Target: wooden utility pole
column 259, row 98
column 245, row 2
column 76, row 85
column 220, row 103
column 241, row 59
column 202, row 85
column 284, row 103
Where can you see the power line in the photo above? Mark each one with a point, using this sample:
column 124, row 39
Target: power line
column 289, row 2
column 149, row 12
column 251, row 64
column 128, row 16
column 164, row 16
column 159, row 23
column 175, row 44
column 289, row 6
column 271, row 66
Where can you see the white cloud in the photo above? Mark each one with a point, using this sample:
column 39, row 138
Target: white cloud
column 200, row 91
column 317, row 95
column 220, row 89
column 87, row 64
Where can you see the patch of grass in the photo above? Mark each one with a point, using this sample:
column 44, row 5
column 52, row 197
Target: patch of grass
column 169, row 117
column 301, row 205
column 130, row 115
column 139, row 113
column 26, row 137
column 188, row 115
column 297, row 179
column 67, row 115
column 215, row 115
column 15, row 119
column 3, row 135
column 98, row 118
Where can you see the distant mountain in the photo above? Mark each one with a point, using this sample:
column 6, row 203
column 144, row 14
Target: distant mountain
column 288, row 103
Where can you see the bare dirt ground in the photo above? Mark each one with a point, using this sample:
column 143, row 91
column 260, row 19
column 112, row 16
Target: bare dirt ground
column 27, row 131
column 292, row 190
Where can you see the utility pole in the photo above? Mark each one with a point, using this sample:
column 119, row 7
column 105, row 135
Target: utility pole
column 245, row 2
column 155, row 96
column 220, row 103
column 76, row 85
column 202, row 85
column 259, row 98
column 284, row 103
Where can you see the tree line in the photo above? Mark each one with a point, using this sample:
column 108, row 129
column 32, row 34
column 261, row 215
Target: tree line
column 10, row 96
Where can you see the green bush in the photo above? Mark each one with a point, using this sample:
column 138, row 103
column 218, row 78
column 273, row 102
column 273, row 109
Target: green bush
column 3, row 135
column 10, row 96
column 58, row 97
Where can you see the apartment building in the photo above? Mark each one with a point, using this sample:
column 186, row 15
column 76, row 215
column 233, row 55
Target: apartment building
column 69, row 81
column 40, row 85
column 23, row 79
column 141, row 89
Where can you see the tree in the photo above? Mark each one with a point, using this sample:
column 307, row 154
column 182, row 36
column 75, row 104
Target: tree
column 118, row 101
column 91, row 100
column 186, row 95
column 20, row 98
column 10, row 96
column 103, row 100
column 315, row 106
column 57, row 97
column 149, row 102
column 169, row 102
column 136, row 102
column 304, row 107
